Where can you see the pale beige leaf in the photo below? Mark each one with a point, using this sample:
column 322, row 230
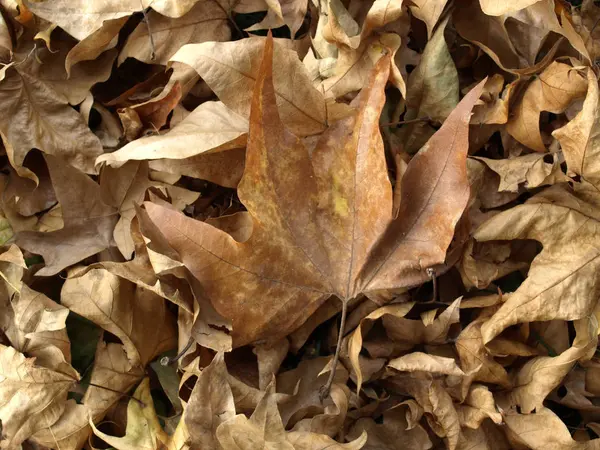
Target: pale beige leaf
column 562, row 279
column 579, row 139
column 423, row 362
column 32, row 397
column 210, row 129
column 429, row 11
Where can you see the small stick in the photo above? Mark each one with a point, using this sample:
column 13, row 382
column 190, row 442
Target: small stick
column 327, row 387
column 143, row 405
column 166, row 361
column 152, row 50
column 431, row 273
column 404, row 122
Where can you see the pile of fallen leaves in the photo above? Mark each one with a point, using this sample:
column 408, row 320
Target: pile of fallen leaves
column 299, row 224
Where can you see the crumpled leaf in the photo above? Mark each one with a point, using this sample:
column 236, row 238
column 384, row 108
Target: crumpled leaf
column 295, row 241
column 555, row 88
column 539, row 376
column 562, row 277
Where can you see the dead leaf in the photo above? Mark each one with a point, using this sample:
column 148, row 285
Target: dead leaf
column 89, row 222
column 554, row 89
column 321, row 268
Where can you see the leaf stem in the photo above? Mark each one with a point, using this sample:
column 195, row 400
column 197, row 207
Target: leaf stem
column 142, row 404
column 404, row 122
column 166, row 360
column 152, row 49
column 327, row 387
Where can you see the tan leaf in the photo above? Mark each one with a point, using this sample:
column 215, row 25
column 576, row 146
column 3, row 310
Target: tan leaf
column 579, row 138
column 529, row 169
column 478, row 406
column 211, row 133
column 283, row 12
column 323, row 266
column 392, row 434
column 210, row 404
column 111, row 370
column 80, row 18
column 231, row 69
column 554, row 89
column 206, row 21
column 429, row 12
column 33, row 397
column 495, row 8
column 34, row 115
column 543, row 430
column 422, row 362
column 265, row 429
column 475, row 357
column 355, row 342
column 564, row 270
column 124, row 310
column 539, row 376
column 89, row 222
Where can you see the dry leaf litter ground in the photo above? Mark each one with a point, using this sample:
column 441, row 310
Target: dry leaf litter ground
column 299, row 224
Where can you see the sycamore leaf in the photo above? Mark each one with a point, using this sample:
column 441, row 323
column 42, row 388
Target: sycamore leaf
column 231, row 69
column 32, row 397
column 121, row 308
column 328, row 194
column 562, row 281
column 206, row 21
column 479, row 405
column 554, row 89
column 283, row 12
column 88, row 221
column 143, row 427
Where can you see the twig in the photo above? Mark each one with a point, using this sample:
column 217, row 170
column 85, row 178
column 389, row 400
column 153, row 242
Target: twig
column 152, row 50
column 143, row 405
column 404, row 122
column 327, row 387
column 431, row 273
column 166, row 360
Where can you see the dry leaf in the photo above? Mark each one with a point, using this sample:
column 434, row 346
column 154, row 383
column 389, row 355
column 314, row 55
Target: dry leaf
column 323, row 267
